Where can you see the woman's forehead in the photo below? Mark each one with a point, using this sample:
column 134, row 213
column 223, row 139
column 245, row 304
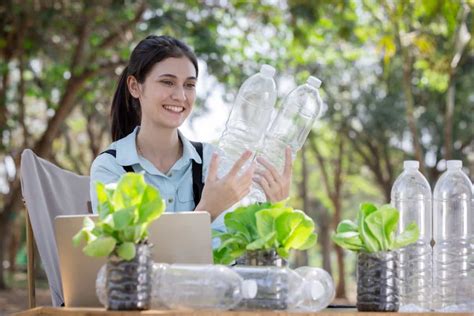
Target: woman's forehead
column 180, row 67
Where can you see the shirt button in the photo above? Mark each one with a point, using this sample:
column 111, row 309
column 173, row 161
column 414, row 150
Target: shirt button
column 170, row 200
column 171, row 174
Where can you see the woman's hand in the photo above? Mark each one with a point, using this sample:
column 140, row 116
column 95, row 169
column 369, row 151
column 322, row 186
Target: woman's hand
column 275, row 185
column 220, row 194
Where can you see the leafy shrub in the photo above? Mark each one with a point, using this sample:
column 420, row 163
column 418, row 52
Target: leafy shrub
column 126, row 209
column 375, row 230
column 264, row 226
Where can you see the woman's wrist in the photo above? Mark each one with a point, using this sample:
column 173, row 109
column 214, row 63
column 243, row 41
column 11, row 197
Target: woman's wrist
column 203, row 207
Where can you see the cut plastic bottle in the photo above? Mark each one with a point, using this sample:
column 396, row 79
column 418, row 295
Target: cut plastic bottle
column 180, row 286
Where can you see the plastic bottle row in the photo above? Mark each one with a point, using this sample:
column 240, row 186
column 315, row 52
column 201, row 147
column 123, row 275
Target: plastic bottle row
column 439, row 277
column 202, row 287
column 250, row 125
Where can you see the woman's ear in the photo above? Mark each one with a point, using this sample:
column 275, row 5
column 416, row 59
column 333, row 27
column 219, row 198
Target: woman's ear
column 133, row 86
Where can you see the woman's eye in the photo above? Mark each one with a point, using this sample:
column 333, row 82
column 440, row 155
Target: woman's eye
column 191, row 85
column 167, row 82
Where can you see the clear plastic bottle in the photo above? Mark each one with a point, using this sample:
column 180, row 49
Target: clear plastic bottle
column 411, row 195
column 249, row 118
column 186, row 286
column 453, row 230
column 319, row 290
column 277, row 288
column 291, row 126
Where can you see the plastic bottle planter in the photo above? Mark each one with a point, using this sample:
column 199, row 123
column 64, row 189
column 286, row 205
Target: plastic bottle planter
column 262, row 258
column 377, row 282
column 128, row 282
column 272, row 290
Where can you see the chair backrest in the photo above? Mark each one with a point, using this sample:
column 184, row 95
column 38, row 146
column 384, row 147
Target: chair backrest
column 50, row 191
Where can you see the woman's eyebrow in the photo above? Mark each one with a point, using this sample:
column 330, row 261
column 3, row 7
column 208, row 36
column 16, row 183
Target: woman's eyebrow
column 175, row 77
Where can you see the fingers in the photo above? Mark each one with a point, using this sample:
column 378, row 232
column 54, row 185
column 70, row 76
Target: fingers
column 213, row 166
column 288, row 163
column 268, row 176
column 239, row 163
column 265, row 186
column 274, row 173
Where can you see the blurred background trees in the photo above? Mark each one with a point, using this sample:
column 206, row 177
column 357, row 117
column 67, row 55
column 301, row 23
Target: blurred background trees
column 398, row 81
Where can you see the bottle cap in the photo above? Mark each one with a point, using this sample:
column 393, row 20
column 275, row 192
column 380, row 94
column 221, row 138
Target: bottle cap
column 316, row 290
column 249, row 288
column 267, row 70
column 411, row 164
column 454, row 164
column 313, row 81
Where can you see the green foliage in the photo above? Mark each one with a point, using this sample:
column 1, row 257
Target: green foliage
column 126, row 209
column 375, row 230
column 264, row 226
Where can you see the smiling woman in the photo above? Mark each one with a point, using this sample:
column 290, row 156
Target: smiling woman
column 154, row 96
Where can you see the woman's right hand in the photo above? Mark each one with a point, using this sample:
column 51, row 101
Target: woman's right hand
column 220, row 194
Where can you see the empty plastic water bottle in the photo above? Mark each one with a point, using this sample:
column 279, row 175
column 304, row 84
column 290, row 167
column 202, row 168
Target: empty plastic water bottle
column 249, row 118
column 318, row 291
column 453, row 231
column 180, row 286
column 411, row 195
column 277, row 288
column 291, row 127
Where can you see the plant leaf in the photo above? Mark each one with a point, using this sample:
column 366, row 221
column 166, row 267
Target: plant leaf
column 349, row 240
column 261, row 243
column 126, row 250
column 283, row 253
column 104, row 207
column 347, row 226
column 151, row 205
column 408, row 236
column 100, row 247
column 129, row 190
column 78, row 238
column 123, row 218
column 301, row 227
column 382, row 224
column 310, row 242
column 368, row 239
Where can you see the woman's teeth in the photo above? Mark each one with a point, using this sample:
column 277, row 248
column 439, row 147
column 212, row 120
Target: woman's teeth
column 173, row 108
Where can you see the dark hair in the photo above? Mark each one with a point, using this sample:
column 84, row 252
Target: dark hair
column 126, row 112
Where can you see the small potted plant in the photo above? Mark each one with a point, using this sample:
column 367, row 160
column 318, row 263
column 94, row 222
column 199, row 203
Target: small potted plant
column 373, row 237
column 125, row 209
column 263, row 235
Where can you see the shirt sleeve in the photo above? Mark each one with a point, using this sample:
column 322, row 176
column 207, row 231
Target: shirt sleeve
column 106, row 170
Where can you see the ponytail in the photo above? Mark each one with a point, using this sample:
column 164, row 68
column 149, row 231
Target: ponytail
column 125, row 112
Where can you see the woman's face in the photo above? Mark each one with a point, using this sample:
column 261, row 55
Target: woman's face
column 167, row 95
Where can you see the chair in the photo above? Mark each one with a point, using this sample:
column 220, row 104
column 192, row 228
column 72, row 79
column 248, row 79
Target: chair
column 48, row 191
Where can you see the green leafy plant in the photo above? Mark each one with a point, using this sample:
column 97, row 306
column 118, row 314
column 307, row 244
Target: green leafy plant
column 126, row 209
column 375, row 230
column 264, row 226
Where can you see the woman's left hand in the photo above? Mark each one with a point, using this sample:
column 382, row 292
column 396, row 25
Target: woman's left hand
column 275, row 185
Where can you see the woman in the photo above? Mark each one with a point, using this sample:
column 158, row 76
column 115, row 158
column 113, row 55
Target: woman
column 155, row 94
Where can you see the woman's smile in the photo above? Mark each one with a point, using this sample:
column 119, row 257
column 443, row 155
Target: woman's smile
column 173, row 108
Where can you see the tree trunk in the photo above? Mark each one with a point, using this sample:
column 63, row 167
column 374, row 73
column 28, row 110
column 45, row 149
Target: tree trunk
column 462, row 39
column 11, row 206
column 324, row 239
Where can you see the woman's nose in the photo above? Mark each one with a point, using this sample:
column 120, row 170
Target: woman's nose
column 179, row 94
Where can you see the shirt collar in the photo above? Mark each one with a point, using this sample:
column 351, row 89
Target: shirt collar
column 127, row 151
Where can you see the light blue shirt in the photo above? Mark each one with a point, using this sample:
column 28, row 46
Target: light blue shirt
column 176, row 187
